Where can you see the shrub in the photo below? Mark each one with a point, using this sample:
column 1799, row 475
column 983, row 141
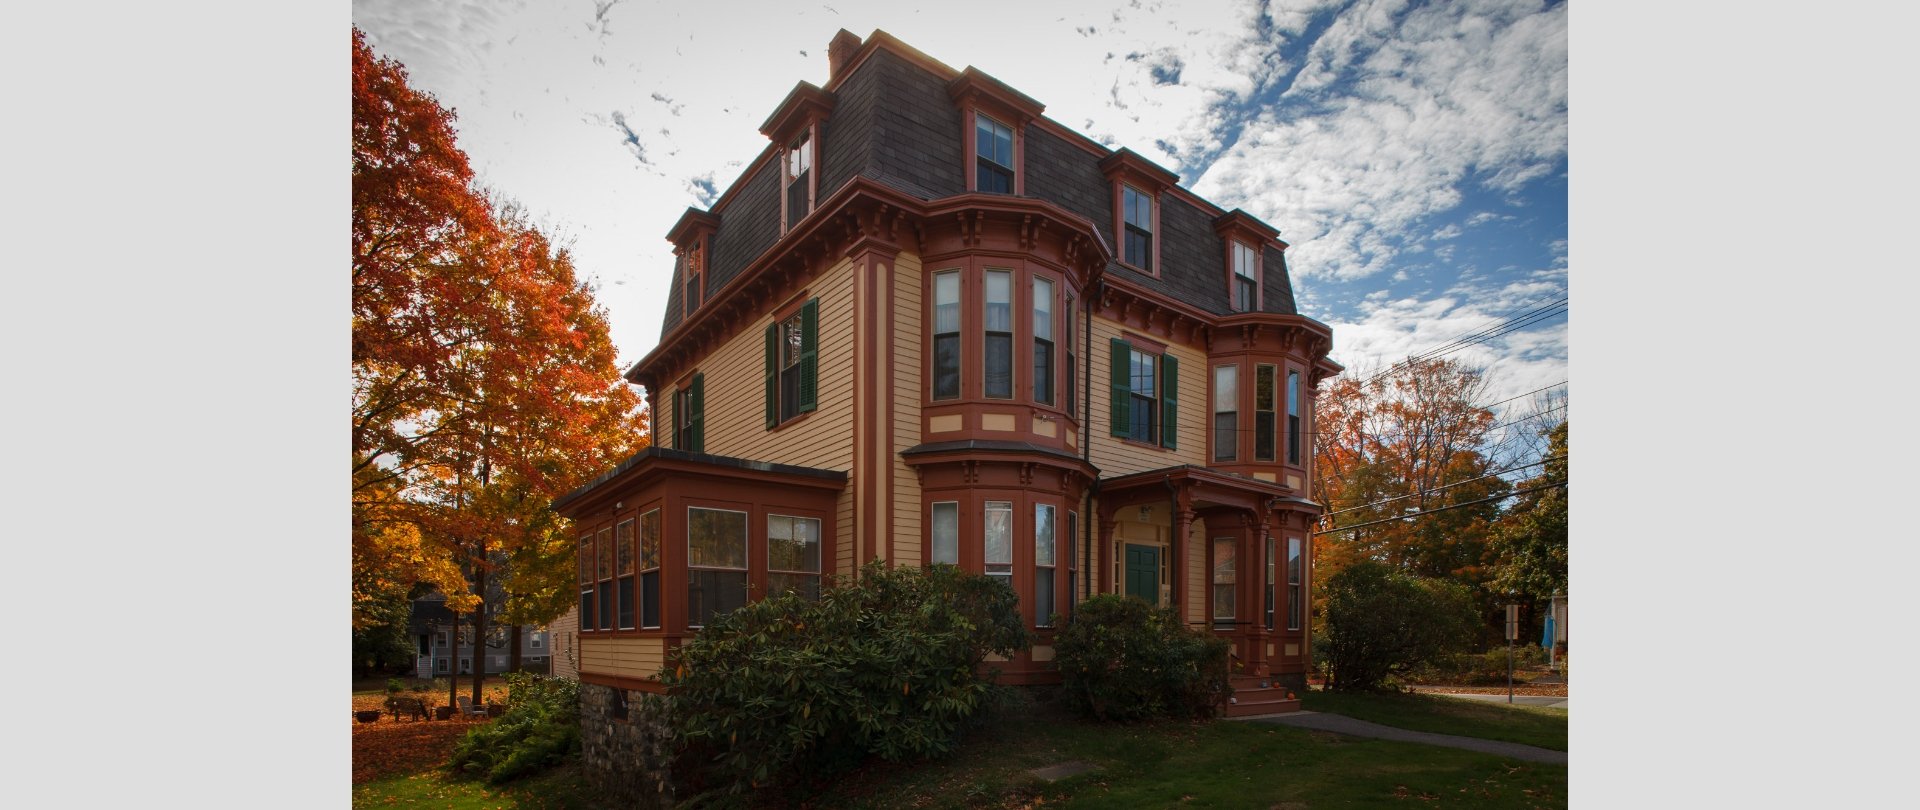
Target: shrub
column 540, row 729
column 1122, row 659
column 888, row 664
column 1382, row 622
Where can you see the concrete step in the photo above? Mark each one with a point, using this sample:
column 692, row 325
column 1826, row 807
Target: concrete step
column 1245, row 705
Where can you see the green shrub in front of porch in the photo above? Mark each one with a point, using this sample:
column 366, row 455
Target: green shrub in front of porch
column 1122, row 659
column 785, row 690
column 1383, row 623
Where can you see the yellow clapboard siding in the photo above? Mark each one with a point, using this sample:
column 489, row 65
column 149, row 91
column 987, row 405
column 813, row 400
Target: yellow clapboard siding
column 1115, row 457
column 905, row 376
column 628, row 657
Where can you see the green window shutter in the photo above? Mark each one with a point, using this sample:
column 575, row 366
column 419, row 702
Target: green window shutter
column 1169, row 399
column 809, row 353
column 697, row 403
column 773, row 375
column 1122, row 387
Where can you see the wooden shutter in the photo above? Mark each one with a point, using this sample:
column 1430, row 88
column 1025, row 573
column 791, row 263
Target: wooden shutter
column 809, row 353
column 1122, row 387
column 1169, row 399
column 773, row 375
column 697, row 403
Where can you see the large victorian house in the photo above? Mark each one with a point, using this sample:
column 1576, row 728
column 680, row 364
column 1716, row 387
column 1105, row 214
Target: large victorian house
column 929, row 324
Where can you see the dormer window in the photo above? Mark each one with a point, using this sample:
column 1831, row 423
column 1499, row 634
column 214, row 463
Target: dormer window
column 993, row 153
column 1138, row 217
column 1246, row 279
column 799, row 178
column 693, row 269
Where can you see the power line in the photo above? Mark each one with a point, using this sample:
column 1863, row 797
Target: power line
column 1439, row 488
column 1482, row 335
column 1424, row 512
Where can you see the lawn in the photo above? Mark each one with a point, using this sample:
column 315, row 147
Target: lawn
column 1224, row 764
column 1529, row 725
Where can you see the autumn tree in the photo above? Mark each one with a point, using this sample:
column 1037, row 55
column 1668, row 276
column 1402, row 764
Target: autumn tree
column 1530, row 541
column 484, row 376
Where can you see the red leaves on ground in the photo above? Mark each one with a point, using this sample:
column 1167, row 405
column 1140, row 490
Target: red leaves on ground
column 388, row 748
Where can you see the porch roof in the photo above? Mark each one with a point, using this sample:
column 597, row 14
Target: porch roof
column 1199, row 486
column 719, row 465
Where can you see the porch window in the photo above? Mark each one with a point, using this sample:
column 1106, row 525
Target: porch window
column 586, row 581
column 1263, row 424
column 650, row 569
column 793, row 555
column 1223, row 581
column 946, row 532
column 1293, row 417
column 999, row 343
column 1045, row 560
column 603, row 574
column 999, row 541
column 946, row 335
column 716, row 563
column 1042, row 341
column 623, row 573
column 1226, row 413
column 1294, row 608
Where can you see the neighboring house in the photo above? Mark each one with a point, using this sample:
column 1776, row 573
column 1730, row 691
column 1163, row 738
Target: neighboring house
column 928, row 324
column 440, row 650
column 563, row 634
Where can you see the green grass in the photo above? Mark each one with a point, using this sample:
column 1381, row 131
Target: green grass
column 1529, row 725
column 1223, row 764
column 559, row 789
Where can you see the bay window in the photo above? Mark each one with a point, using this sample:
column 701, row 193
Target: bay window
column 716, row 563
column 1071, row 374
column 1268, row 590
column 650, row 569
column 946, row 335
column 1294, row 564
column 946, row 533
column 1293, row 417
column 999, row 541
column 793, row 555
column 1045, row 560
column 623, row 574
column 1042, row 341
column 1263, row 414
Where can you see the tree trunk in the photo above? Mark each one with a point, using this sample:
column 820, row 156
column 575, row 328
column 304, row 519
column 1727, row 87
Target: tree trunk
column 513, row 648
column 480, row 627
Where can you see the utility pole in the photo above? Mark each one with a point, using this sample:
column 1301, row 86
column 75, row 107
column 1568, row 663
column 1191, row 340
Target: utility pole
column 1513, row 632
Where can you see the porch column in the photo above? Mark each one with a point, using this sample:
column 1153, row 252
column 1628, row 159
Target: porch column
column 1103, row 577
column 1256, row 598
column 1182, row 526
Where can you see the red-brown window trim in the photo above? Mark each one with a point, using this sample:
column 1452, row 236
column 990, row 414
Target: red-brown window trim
column 1259, row 273
column 1019, row 128
column 976, row 93
column 1126, row 168
column 972, row 533
column 972, row 271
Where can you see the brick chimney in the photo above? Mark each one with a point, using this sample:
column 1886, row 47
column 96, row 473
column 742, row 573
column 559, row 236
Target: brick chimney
column 841, row 49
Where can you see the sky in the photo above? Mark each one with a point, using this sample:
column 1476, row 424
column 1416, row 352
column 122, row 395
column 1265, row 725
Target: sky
column 1414, row 155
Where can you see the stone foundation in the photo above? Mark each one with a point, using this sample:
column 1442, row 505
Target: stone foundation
column 627, row 757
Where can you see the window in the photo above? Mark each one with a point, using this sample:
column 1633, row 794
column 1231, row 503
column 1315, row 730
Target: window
column 799, row 178
column 603, row 576
column 1293, row 583
column 1145, row 395
column 1071, row 366
column 946, row 335
column 1045, row 560
column 716, row 563
column 693, row 269
column 792, row 363
column 1139, row 227
column 1268, row 590
column 536, row 642
column 440, row 639
column 1042, row 341
column 689, row 416
column 586, row 582
column 623, row 573
column 1226, row 413
column 1246, row 284
column 999, row 343
column 440, row 665
column 999, row 541
column 1293, row 417
column 650, row 569
column 793, row 555
column 1073, row 567
column 946, row 532
column 1263, row 425
column 993, row 152
column 1223, row 581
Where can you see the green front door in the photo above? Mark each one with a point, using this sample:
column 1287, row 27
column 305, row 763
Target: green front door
column 1143, row 573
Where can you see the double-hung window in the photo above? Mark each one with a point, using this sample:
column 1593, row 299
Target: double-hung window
column 999, row 541
column 1045, row 560
column 689, row 406
column 1145, row 403
column 799, row 178
column 1294, row 607
column 603, row 577
column 1246, row 284
column 946, row 335
column 1070, row 402
column 1226, row 413
column 1268, row 590
column 946, row 533
column 1139, row 227
column 1042, row 341
column 650, row 569
column 793, row 555
column 792, row 364
column 1224, row 580
column 1293, row 417
column 999, row 337
column 1263, row 401
column 993, row 155
column 624, row 596
column 693, row 267
column 716, row 563
column 586, row 581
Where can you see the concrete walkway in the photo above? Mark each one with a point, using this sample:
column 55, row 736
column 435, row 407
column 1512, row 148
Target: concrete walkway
column 1547, row 701
column 1341, row 724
